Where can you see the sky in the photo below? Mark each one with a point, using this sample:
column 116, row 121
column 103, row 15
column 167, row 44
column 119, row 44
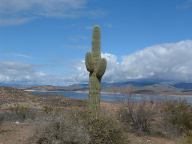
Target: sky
column 45, row 41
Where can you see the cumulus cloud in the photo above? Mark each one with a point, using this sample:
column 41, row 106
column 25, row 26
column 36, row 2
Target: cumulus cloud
column 19, row 72
column 15, row 72
column 21, row 11
column 171, row 61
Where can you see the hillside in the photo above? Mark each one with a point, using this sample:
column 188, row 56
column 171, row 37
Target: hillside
column 135, row 87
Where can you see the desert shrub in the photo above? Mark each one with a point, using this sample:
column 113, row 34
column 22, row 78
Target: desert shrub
column 64, row 129
column 60, row 101
column 177, row 117
column 137, row 117
column 1, row 119
column 48, row 109
column 103, row 129
column 187, row 139
column 70, row 127
column 22, row 111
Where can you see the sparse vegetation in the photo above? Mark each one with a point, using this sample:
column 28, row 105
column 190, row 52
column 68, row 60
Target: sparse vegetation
column 48, row 109
column 81, row 128
column 103, row 129
column 177, row 117
column 21, row 112
column 187, row 139
column 64, row 129
column 1, row 120
column 137, row 117
column 168, row 119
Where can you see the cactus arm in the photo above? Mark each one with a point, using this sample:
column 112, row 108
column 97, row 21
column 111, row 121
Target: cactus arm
column 101, row 68
column 89, row 62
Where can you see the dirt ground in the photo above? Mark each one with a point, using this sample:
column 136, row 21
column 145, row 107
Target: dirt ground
column 16, row 133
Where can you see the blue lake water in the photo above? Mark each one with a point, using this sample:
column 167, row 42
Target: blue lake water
column 108, row 97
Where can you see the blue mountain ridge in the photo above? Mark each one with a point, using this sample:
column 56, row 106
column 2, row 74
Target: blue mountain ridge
column 134, row 83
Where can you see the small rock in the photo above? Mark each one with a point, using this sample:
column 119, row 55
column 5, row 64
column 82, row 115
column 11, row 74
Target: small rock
column 17, row 122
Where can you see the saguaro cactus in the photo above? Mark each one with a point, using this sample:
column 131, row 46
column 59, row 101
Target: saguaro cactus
column 96, row 67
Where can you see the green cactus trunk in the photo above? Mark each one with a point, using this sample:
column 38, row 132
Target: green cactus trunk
column 96, row 66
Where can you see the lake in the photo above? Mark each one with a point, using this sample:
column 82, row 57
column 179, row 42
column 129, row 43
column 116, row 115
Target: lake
column 109, row 97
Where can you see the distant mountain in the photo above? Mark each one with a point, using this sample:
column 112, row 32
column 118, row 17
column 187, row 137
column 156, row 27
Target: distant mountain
column 82, row 87
column 75, row 87
column 184, row 86
column 18, row 85
column 150, row 87
column 131, row 83
column 138, row 84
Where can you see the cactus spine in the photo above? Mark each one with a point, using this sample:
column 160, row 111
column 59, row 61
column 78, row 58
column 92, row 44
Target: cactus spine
column 96, row 67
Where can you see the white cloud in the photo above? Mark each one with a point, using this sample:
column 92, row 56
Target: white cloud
column 13, row 12
column 19, row 72
column 171, row 61
column 16, row 72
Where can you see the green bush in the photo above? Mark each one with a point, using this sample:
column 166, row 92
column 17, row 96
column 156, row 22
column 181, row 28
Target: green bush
column 178, row 115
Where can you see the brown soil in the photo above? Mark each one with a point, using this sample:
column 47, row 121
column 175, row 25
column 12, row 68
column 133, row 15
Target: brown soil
column 12, row 133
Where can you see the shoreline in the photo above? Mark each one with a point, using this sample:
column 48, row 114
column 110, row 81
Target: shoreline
column 112, row 93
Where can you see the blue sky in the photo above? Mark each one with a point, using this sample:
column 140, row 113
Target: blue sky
column 50, row 38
